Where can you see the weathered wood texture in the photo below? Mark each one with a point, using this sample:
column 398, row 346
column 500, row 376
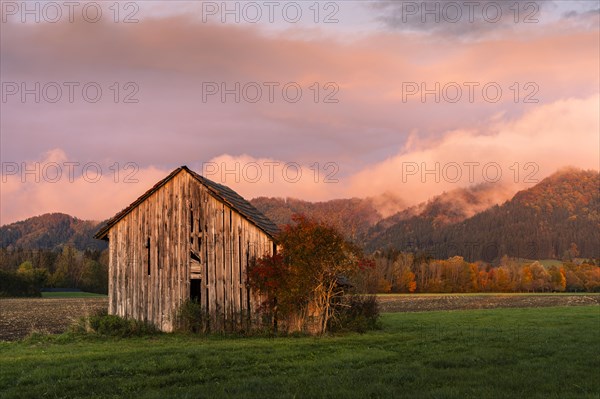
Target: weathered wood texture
column 150, row 282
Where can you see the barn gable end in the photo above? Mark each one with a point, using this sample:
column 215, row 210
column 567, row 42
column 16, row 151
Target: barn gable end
column 185, row 237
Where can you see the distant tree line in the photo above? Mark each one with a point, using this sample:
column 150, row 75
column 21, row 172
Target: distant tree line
column 403, row 272
column 24, row 272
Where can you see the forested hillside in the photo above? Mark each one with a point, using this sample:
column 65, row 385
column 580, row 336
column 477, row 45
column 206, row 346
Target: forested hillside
column 51, row 250
column 51, row 231
column 354, row 217
column 538, row 223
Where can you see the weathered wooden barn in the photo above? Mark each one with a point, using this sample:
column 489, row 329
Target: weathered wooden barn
column 185, row 238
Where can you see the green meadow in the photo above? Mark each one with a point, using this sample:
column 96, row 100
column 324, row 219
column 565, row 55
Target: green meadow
column 500, row 353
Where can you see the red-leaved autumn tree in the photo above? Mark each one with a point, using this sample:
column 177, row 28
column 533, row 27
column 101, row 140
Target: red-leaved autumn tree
column 305, row 279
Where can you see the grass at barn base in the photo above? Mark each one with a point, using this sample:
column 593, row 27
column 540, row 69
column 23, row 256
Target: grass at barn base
column 549, row 352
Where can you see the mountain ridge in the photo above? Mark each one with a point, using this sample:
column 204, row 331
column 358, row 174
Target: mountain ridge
column 541, row 221
column 51, row 231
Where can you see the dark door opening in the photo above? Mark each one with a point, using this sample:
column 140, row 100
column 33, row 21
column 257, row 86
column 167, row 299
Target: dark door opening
column 195, row 289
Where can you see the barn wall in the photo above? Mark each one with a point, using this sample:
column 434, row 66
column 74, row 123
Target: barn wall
column 225, row 241
column 181, row 216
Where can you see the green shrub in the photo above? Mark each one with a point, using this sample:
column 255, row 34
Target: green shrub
column 104, row 324
column 358, row 313
column 191, row 318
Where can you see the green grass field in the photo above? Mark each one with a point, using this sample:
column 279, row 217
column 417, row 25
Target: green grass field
column 491, row 294
column 71, row 295
column 500, row 353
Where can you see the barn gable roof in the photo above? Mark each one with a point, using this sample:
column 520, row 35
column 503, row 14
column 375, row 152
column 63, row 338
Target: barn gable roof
column 221, row 192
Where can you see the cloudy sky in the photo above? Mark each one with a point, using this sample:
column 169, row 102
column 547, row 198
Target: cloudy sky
column 312, row 100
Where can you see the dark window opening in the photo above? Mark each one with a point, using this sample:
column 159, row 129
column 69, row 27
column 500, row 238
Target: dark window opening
column 191, row 227
column 148, row 254
column 195, row 290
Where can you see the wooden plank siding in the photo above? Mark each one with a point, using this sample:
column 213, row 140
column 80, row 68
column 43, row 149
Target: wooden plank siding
column 180, row 217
